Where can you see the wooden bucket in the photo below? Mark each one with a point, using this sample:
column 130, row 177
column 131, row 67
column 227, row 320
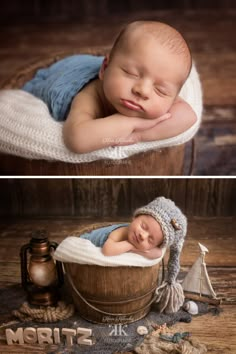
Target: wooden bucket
column 162, row 162
column 112, row 294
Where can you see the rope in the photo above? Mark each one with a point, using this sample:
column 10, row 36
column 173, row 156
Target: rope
column 44, row 314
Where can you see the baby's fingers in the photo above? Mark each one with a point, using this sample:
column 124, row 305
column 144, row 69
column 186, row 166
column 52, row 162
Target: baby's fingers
column 163, row 117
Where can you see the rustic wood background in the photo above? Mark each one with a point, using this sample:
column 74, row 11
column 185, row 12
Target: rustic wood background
column 37, row 29
column 113, row 197
column 56, row 11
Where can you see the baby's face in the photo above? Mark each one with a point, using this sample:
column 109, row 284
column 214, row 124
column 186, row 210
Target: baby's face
column 143, row 79
column 145, row 233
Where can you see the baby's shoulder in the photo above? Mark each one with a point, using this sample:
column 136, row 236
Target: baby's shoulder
column 88, row 99
column 119, row 234
column 89, row 90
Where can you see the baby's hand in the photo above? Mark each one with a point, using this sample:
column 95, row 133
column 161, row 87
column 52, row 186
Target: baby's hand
column 145, row 124
column 150, row 254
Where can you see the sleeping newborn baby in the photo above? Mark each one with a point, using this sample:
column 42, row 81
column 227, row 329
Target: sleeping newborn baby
column 129, row 96
column 143, row 236
column 155, row 226
column 147, row 234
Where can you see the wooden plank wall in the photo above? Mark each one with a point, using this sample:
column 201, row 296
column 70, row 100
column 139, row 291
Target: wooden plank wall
column 113, row 197
column 36, row 11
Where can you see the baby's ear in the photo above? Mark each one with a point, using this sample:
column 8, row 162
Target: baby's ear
column 103, row 67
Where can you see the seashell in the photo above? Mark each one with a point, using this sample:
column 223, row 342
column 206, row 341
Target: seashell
column 142, row 330
column 191, row 307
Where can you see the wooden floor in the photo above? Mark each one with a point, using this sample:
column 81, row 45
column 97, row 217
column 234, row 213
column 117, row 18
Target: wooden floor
column 217, row 234
column 212, row 41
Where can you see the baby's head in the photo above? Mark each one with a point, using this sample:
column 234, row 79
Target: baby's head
column 146, row 68
column 166, row 224
column 145, row 232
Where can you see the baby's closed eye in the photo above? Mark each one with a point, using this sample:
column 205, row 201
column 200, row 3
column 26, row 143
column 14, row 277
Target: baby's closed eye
column 160, row 91
column 130, row 72
column 144, row 226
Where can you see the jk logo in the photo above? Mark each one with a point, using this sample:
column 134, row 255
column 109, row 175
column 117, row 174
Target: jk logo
column 118, row 330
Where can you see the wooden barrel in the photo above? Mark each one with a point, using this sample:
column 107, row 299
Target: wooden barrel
column 164, row 162
column 122, row 294
column 112, row 294
column 161, row 162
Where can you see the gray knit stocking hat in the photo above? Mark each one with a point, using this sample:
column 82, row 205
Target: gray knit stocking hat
column 173, row 223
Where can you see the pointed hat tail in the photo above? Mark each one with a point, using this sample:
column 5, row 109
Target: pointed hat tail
column 170, row 297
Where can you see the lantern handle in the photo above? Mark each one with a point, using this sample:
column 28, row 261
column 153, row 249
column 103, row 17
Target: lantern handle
column 58, row 265
column 24, row 272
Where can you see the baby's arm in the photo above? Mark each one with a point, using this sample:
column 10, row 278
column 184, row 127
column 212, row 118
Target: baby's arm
column 113, row 248
column 93, row 134
column 182, row 118
column 117, row 243
column 83, row 131
column 150, row 254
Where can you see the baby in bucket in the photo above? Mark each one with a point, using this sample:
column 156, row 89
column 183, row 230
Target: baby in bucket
column 156, row 226
column 129, row 96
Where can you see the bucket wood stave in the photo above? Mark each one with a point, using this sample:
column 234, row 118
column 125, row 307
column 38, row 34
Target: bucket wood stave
column 112, row 294
column 162, row 162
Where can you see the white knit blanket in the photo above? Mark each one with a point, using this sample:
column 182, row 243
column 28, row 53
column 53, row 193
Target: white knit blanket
column 77, row 250
column 28, row 130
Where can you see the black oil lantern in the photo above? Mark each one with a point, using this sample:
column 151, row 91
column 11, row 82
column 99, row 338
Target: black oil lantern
column 40, row 275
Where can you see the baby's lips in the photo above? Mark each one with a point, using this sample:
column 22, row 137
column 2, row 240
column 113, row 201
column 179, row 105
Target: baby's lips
column 132, row 105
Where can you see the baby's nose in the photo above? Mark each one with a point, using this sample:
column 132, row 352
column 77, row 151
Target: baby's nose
column 143, row 235
column 142, row 89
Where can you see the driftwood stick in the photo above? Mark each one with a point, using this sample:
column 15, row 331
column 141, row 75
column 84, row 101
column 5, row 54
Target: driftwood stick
column 202, row 298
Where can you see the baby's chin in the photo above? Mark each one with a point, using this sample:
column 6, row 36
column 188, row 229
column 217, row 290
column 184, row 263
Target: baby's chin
column 129, row 112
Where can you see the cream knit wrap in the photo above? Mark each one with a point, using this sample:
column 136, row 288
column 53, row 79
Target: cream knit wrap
column 28, row 130
column 77, row 250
